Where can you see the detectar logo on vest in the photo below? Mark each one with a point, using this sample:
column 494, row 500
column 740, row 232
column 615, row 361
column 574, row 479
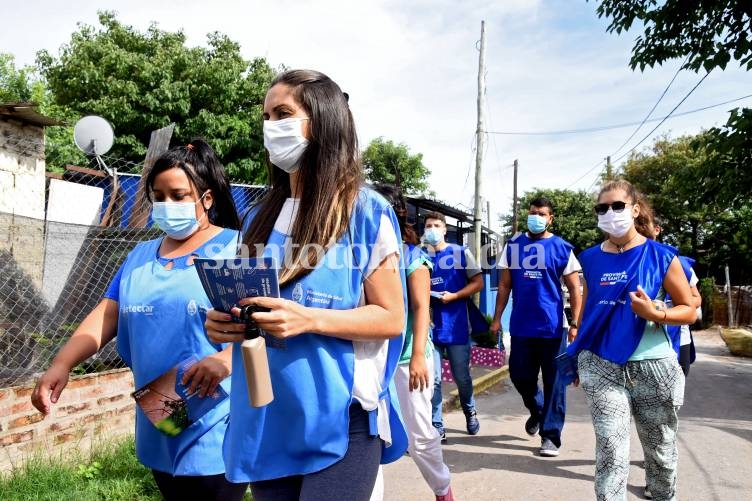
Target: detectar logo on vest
column 146, row 309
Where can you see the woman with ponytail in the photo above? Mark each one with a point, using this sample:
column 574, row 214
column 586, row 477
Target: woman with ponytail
column 156, row 307
column 627, row 367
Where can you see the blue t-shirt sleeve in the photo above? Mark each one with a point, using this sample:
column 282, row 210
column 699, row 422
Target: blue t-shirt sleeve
column 113, row 291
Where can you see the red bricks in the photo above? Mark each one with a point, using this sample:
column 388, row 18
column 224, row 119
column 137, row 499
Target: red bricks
column 15, row 438
column 96, row 405
column 25, row 420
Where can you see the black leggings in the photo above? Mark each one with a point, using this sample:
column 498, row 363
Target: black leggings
column 684, row 358
column 351, row 478
column 205, row 488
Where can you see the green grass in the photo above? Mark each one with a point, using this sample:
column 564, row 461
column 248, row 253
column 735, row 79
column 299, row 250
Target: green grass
column 109, row 472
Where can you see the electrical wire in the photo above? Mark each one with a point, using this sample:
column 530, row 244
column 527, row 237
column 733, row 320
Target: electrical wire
column 649, row 133
column 664, row 119
column 660, row 98
column 611, row 127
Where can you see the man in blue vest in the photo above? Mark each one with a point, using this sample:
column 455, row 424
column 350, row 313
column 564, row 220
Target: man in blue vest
column 533, row 265
column 456, row 277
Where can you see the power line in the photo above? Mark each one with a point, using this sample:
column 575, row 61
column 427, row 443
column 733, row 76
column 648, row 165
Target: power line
column 591, row 169
column 651, row 109
column 651, row 132
column 664, row 118
column 611, row 127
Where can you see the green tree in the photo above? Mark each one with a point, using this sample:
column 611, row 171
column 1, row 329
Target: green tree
column 386, row 162
column 26, row 85
column 16, row 85
column 574, row 219
column 707, row 33
column 686, row 182
column 144, row 81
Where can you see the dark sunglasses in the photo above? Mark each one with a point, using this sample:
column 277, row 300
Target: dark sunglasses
column 617, row 207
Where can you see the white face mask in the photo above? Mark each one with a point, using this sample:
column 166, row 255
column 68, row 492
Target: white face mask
column 284, row 141
column 616, row 224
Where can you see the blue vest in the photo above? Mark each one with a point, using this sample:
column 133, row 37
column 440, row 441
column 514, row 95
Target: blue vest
column 161, row 323
column 305, row 428
column 609, row 327
column 674, row 331
column 450, row 321
column 536, row 267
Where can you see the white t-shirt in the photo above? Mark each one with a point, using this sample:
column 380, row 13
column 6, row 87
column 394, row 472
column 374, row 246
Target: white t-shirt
column 686, row 338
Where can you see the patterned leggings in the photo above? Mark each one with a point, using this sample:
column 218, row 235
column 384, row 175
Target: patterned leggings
column 650, row 390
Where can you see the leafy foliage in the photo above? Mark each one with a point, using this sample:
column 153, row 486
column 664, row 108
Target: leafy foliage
column 574, row 220
column 385, row 161
column 702, row 185
column 145, row 81
column 16, row 85
column 702, row 199
column 708, row 33
column 732, row 144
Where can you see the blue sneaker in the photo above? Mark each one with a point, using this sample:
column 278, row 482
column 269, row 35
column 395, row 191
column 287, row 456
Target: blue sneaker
column 442, row 432
column 548, row 449
column 473, row 425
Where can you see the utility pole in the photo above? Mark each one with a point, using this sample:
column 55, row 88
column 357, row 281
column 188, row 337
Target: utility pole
column 488, row 213
column 609, row 170
column 480, row 137
column 731, row 322
column 515, row 208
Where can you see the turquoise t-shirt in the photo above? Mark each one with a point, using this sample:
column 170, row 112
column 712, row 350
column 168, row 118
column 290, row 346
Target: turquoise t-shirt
column 655, row 342
column 414, row 259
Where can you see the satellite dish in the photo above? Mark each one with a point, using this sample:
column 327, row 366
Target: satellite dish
column 93, row 135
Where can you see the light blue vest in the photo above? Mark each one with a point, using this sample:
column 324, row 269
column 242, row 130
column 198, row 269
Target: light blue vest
column 161, row 323
column 305, row 428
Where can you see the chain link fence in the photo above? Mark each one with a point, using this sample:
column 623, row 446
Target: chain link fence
column 62, row 238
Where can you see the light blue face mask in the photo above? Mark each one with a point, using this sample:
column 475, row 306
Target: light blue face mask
column 176, row 219
column 433, row 236
column 536, row 224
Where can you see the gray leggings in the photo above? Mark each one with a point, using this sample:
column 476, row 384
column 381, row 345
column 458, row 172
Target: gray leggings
column 650, row 390
column 351, row 478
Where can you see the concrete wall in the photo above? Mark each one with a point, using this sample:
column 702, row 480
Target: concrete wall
column 71, row 209
column 22, row 187
column 91, row 408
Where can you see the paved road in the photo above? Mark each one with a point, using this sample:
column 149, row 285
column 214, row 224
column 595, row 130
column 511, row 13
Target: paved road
column 501, row 463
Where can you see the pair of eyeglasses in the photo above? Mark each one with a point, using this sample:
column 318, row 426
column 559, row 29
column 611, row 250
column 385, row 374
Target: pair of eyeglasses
column 617, row 207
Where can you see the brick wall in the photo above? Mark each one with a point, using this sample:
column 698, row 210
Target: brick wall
column 91, row 408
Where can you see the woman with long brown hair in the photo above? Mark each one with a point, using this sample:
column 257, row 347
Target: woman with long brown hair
column 341, row 312
column 627, row 366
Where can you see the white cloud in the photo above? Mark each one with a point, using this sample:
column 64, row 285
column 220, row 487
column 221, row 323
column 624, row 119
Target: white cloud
column 411, row 72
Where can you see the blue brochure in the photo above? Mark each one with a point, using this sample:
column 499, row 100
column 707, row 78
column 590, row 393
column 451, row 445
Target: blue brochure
column 227, row 281
column 167, row 403
column 567, row 367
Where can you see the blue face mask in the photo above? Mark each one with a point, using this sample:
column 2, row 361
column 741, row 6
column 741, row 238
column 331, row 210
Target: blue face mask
column 536, row 224
column 177, row 219
column 433, row 236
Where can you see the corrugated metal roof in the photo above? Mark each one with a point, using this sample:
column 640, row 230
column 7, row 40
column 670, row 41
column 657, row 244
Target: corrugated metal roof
column 26, row 113
column 453, row 212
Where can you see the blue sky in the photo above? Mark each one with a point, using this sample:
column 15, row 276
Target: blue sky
column 411, row 72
